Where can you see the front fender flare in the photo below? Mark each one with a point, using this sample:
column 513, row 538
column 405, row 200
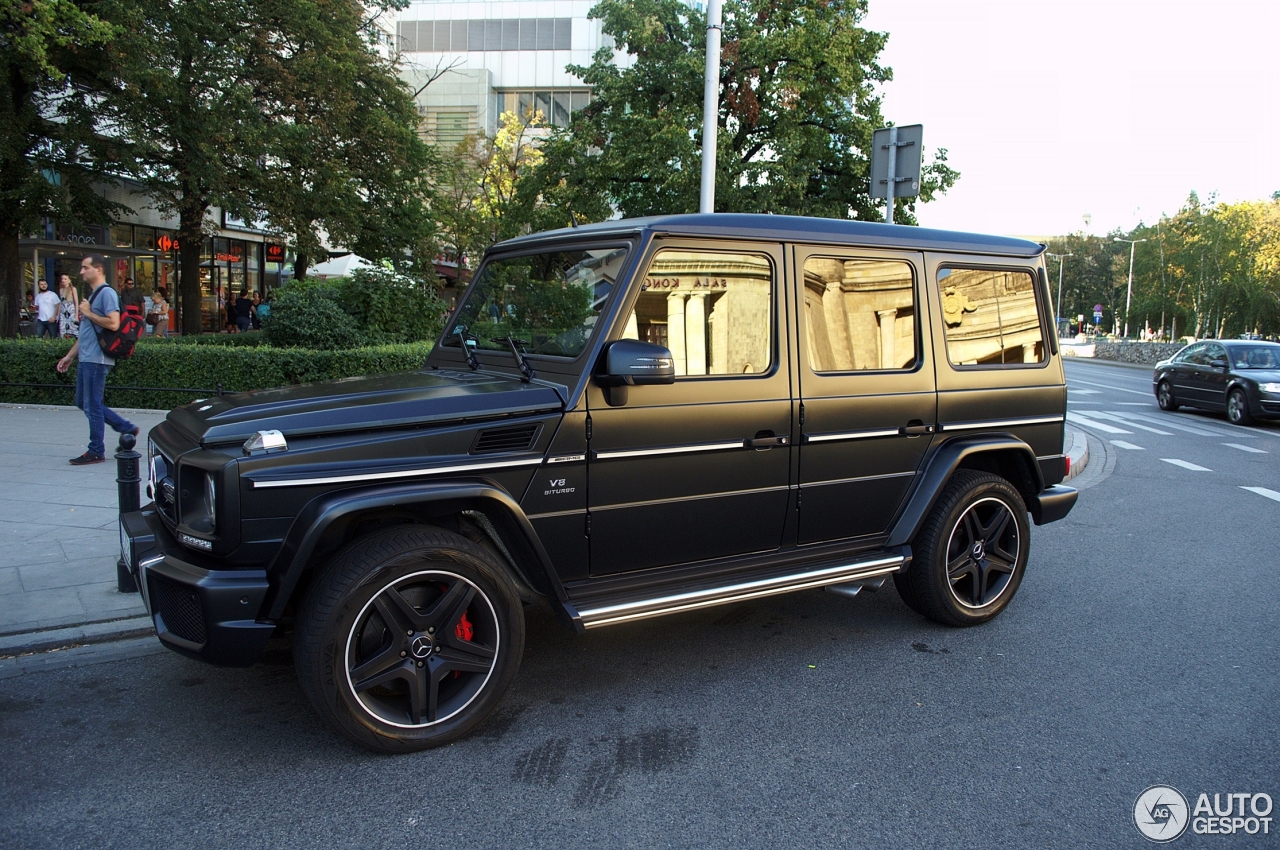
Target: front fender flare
column 944, row 462
column 308, row 530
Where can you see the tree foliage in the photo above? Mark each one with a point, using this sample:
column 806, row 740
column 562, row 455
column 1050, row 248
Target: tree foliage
column 50, row 158
column 798, row 107
column 1211, row 270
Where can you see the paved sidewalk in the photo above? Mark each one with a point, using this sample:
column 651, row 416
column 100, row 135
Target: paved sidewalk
column 60, row 539
column 59, row 534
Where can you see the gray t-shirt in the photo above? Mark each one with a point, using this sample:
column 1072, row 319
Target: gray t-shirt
column 103, row 300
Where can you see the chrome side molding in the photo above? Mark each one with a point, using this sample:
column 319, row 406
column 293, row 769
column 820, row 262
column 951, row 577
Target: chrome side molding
column 606, row 615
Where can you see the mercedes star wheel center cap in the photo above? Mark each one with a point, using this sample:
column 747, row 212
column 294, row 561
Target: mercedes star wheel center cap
column 979, row 551
column 420, row 647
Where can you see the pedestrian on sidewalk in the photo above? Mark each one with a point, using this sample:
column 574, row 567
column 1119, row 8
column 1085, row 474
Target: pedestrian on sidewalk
column 131, row 296
column 244, row 312
column 69, row 309
column 100, row 310
column 46, row 312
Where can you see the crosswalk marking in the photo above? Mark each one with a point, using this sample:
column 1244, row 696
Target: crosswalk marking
column 1115, row 417
column 1090, row 423
column 1263, row 491
column 1121, row 444
column 1071, row 392
column 1247, row 448
column 1186, row 464
column 1177, row 426
column 1071, row 381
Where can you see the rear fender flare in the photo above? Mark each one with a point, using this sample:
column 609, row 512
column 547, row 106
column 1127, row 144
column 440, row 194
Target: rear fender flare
column 333, row 511
column 961, row 452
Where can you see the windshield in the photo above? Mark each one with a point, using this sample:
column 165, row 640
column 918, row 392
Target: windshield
column 548, row 302
column 1256, row 356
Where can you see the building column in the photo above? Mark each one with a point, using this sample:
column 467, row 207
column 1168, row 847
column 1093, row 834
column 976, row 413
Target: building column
column 833, row 313
column 675, row 330
column 632, row 330
column 695, row 333
column 887, row 319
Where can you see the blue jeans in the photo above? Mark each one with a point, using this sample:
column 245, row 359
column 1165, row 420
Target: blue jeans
column 91, row 381
column 49, row 328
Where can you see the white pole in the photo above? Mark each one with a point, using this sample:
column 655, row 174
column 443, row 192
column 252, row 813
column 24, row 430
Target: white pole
column 710, row 108
column 1128, row 299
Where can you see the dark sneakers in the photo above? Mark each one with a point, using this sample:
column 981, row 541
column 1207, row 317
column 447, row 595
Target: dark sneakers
column 86, row 459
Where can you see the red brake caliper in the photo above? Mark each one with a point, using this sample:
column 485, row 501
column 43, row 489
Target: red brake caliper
column 464, row 630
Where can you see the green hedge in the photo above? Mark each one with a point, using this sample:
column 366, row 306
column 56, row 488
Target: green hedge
column 164, row 363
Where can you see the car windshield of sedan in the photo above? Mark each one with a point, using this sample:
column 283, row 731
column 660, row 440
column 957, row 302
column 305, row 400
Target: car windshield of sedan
column 547, row 303
column 1256, row 357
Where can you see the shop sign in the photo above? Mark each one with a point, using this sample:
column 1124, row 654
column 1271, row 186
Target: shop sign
column 275, row 253
column 81, row 236
column 167, row 243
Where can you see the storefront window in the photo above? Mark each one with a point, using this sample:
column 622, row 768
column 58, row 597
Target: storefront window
column 122, row 235
column 145, row 238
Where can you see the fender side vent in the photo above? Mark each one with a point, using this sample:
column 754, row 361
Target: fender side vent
column 515, row 439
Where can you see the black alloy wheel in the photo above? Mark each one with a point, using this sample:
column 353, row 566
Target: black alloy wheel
column 971, row 552
column 1164, row 397
column 408, row 638
column 1238, row 408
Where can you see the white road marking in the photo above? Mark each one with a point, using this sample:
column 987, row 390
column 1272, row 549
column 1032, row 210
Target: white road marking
column 1247, row 448
column 1110, row 387
column 1177, row 426
column 1186, row 464
column 1137, row 403
column 1121, row 444
column 1089, row 423
column 1263, row 491
column 1117, row 418
column 1074, row 391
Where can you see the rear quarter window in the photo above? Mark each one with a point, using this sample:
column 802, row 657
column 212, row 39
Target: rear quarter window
column 991, row 317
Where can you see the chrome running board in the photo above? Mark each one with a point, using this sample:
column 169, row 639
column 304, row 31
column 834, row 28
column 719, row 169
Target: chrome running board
column 623, row 612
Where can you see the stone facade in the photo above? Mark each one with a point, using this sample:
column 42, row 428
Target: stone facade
column 1127, row 351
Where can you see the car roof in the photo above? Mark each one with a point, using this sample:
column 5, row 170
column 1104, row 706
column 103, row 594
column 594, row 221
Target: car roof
column 792, row 228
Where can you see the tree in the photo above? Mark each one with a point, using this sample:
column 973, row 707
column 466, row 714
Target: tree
column 275, row 109
column 187, row 106
column 50, row 157
column 798, row 107
column 343, row 153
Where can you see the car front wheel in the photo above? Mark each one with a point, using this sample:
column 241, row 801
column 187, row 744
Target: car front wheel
column 971, row 552
column 1164, row 397
column 1238, row 408
column 408, row 638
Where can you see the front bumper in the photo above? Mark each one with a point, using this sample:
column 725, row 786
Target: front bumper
column 204, row 613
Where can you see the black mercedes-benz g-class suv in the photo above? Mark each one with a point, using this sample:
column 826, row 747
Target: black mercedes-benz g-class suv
column 622, row 420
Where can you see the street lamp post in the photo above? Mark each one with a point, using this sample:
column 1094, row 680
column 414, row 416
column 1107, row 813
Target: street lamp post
column 1057, row 311
column 1128, row 299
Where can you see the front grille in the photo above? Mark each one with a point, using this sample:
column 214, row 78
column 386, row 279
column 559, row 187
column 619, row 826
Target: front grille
column 178, row 606
column 514, row 439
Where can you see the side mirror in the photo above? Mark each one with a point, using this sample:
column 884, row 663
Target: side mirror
column 631, row 363
column 1218, row 363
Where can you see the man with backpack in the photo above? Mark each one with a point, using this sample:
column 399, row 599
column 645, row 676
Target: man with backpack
column 98, row 312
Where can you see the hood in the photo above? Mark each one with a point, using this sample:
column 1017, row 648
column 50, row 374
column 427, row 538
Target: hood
column 1262, row 376
column 357, row 404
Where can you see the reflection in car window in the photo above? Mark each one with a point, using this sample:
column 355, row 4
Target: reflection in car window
column 1214, row 352
column 549, row 301
column 712, row 310
column 1191, row 354
column 990, row 317
column 859, row 314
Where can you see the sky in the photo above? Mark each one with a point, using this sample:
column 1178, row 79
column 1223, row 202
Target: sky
column 1054, row 110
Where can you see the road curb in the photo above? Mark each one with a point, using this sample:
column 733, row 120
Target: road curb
column 48, row 640
column 1077, row 451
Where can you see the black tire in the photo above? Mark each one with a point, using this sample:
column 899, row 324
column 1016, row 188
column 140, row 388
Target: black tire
column 1238, row 408
column 1164, row 397
column 408, row 638
column 954, row 580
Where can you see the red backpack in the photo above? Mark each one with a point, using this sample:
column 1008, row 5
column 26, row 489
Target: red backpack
column 119, row 343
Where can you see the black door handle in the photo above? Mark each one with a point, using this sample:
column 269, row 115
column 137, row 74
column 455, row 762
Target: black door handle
column 916, row 429
column 766, row 442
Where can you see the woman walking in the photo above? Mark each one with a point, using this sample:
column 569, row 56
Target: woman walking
column 158, row 318
column 68, row 307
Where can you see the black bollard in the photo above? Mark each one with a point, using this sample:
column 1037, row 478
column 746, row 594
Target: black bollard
column 127, row 479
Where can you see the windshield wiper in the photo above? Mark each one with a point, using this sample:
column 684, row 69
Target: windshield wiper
column 463, row 338
column 516, row 345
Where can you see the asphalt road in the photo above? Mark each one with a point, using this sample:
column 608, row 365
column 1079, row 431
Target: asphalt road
column 1141, row 650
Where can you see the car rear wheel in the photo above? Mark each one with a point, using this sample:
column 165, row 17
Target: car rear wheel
column 1164, row 397
column 971, row 553
column 408, row 638
column 1238, row 408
